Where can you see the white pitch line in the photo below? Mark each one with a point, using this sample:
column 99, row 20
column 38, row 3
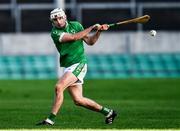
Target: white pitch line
column 89, row 129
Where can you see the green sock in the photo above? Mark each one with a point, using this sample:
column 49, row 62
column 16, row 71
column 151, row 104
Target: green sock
column 105, row 110
column 52, row 117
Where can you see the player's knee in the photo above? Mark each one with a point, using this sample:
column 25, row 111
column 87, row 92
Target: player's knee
column 78, row 101
column 58, row 89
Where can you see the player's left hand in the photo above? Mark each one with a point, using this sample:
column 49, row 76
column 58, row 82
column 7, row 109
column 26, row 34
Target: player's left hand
column 97, row 27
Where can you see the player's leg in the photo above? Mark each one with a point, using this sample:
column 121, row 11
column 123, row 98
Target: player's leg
column 66, row 80
column 76, row 93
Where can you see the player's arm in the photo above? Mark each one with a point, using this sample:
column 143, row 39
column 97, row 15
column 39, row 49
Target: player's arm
column 91, row 40
column 66, row 37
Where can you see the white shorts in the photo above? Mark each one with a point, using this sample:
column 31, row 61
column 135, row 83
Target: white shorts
column 79, row 70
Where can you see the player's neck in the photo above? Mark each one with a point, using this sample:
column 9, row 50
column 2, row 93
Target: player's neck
column 65, row 26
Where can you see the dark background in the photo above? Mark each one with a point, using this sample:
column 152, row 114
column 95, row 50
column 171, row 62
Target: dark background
column 38, row 20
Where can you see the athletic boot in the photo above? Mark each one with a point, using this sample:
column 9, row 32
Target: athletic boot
column 46, row 122
column 110, row 117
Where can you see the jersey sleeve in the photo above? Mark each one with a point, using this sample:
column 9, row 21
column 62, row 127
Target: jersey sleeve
column 57, row 35
column 81, row 28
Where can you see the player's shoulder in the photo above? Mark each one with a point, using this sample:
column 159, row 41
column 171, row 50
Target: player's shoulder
column 75, row 23
column 55, row 31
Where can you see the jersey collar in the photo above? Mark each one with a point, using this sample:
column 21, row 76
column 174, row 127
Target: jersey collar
column 66, row 25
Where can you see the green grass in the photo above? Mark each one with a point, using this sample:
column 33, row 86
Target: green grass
column 141, row 104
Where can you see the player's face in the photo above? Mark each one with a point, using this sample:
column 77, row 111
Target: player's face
column 60, row 22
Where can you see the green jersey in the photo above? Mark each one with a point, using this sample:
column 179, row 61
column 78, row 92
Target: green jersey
column 70, row 52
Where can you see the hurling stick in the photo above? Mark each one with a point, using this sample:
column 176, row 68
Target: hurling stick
column 142, row 19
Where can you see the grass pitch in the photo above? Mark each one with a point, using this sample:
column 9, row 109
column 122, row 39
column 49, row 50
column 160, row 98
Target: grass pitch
column 141, row 104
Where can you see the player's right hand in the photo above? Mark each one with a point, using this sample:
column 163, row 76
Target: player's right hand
column 104, row 27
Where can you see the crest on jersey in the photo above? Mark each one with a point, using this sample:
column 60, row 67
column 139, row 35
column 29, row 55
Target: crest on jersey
column 73, row 31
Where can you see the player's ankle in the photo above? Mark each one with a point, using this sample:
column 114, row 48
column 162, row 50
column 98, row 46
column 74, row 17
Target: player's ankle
column 51, row 117
column 105, row 111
